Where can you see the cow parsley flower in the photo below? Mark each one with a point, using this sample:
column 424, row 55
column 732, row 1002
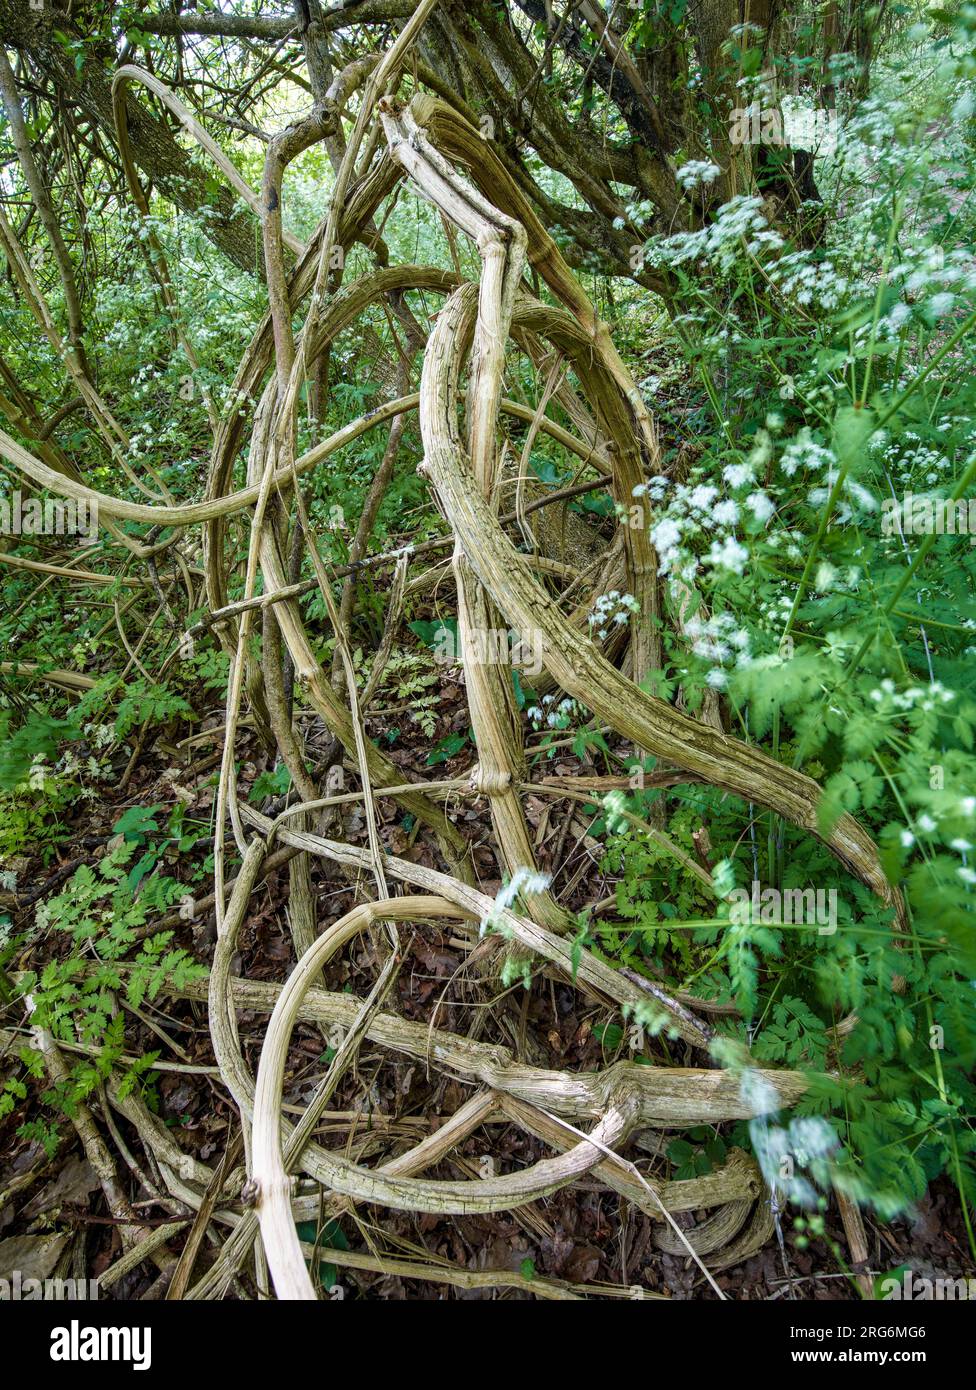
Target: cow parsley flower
column 761, row 505
column 523, row 881
column 729, row 555
column 737, row 474
column 697, row 171
column 940, row 304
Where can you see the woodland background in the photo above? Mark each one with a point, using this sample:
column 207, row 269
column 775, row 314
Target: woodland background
column 510, row 446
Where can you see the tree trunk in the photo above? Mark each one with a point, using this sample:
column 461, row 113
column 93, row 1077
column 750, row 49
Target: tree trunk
column 157, row 152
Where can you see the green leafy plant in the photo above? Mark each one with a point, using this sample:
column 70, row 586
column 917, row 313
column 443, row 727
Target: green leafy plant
column 102, row 949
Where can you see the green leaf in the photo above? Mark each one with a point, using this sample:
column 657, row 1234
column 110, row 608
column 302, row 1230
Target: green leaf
column 447, row 748
column 138, row 822
column 610, row 1034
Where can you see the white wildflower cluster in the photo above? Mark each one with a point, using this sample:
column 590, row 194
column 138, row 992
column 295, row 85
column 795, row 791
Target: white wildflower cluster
column 722, row 340
column 741, row 228
column 894, row 321
column 739, row 224
column 666, row 375
column 231, row 399
column 83, row 769
column 696, row 172
column 761, row 505
column 655, row 489
column 870, row 130
column 790, row 542
column 721, row 641
column 115, row 306
column 524, row 882
column 728, row 554
column 854, row 500
column 40, row 773
column 829, row 579
column 554, row 713
column 615, row 812
column 926, row 697
column 804, row 452
column 742, row 473
column 909, row 460
column 638, row 212
column 738, row 474
column 805, row 1145
column 666, row 537
column 956, row 424
column 775, row 612
column 698, row 509
column 809, row 281
column 612, row 610
column 934, row 283
column 944, row 806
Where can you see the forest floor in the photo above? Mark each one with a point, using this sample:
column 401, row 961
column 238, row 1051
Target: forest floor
column 585, row 1238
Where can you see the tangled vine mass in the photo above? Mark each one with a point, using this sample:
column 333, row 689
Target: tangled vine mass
column 496, row 563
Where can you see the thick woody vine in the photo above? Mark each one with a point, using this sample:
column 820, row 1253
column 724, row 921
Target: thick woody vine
column 586, row 1120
